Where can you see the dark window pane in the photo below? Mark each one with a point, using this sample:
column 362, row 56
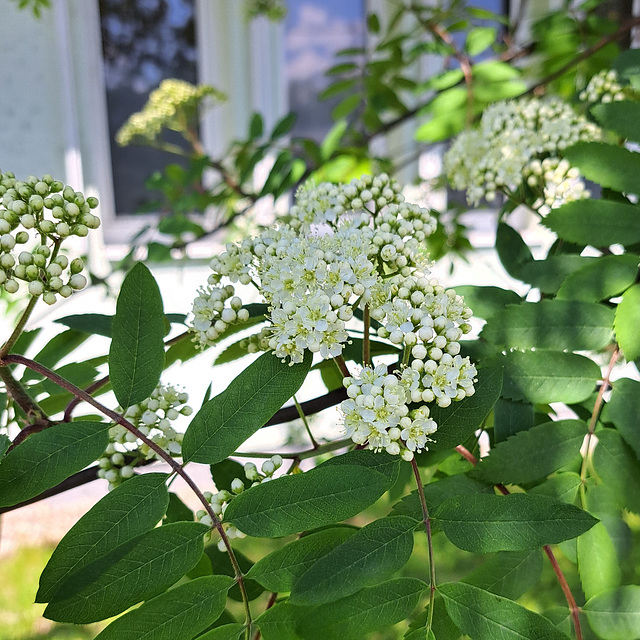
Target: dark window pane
column 314, row 31
column 143, row 42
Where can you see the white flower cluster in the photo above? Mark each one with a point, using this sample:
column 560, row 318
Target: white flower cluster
column 605, row 87
column 39, row 213
column 173, row 105
column 153, row 417
column 511, row 138
column 337, row 251
column 386, row 412
column 558, row 181
column 211, row 317
column 221, row 499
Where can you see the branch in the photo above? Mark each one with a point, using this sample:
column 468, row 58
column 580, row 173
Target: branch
column 587, row 53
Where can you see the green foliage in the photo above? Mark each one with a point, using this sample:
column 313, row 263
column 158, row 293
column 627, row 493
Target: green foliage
column 517, row 522
column 557, row 443
column 178, row 614
column 323, row 496
column 136, row 570
column 372, row 554
column 129, row 511
column 615, row 614
column 483, row 615
column 626, row 322
column 227, row 420
column 49, row 457
column 136, row 357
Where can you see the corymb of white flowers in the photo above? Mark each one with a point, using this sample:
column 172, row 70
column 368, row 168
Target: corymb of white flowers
column 519, row 139
column 343, row 248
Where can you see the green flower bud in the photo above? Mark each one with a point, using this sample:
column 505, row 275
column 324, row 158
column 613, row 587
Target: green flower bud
column 11, row 286
column 65, row 291
column 3, row 277
column 22, row 237
column 63, row 261
column 73, row 210
column 77, row 265
column 19, row 208
column 57, row 212
column 19, row 271
column 7, row 242
column 56, row 283
column 69, row 194
column 80, row 230
column 39, row 260
column 46, row 226
column 36, row 288
column 32, row 272
column 63, row 229
column 7, row 261
column 54, row 269
column 48, row 202
column 56, row 185
column 36, row 202
column 25, row 257
column 77, row 281
column 92, row 202
column 28, row 221
column 41, row 188
column 49, row 297
column 47, row 179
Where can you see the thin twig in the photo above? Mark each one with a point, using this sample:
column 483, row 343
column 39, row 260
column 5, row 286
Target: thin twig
column 303, row 417
column 427, row 526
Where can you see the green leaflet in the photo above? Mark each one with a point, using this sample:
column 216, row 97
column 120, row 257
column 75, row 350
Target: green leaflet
column 622, row 117
column 178, row 614
column 177, row 511
column 562, row 486
column 219, row 564
column 601, row 279
column 617, row 466
column 225, row 632
column 436, row 492
column 556, row 444
column 380, row 461
column 551, row 324
column 280, row 621
column 510, row 417
column 627, row 322
column 549, row 376
column 225, row 472
column 442, row 627
column 49, row 457
column 372, row 554
column 371, row 609
column 128, row 511
column 610, row 166
column 517, row 522
column 226, row 421
column 486, row 301
column 598, row 564
column 459, row 421
column 599, row 223
column 137, row 570
column 278, row 570
column 508, row 573
column 615, row 614
column 136, row 357
column 485, row 616
column 290, row 504
column 623, row 410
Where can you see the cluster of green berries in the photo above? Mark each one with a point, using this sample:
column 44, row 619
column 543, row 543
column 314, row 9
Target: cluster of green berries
column 38, row 214
column 153, row 417
column 221, row 499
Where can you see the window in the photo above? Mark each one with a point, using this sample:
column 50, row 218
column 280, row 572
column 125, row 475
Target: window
column 314, row 31
column 143, row 42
